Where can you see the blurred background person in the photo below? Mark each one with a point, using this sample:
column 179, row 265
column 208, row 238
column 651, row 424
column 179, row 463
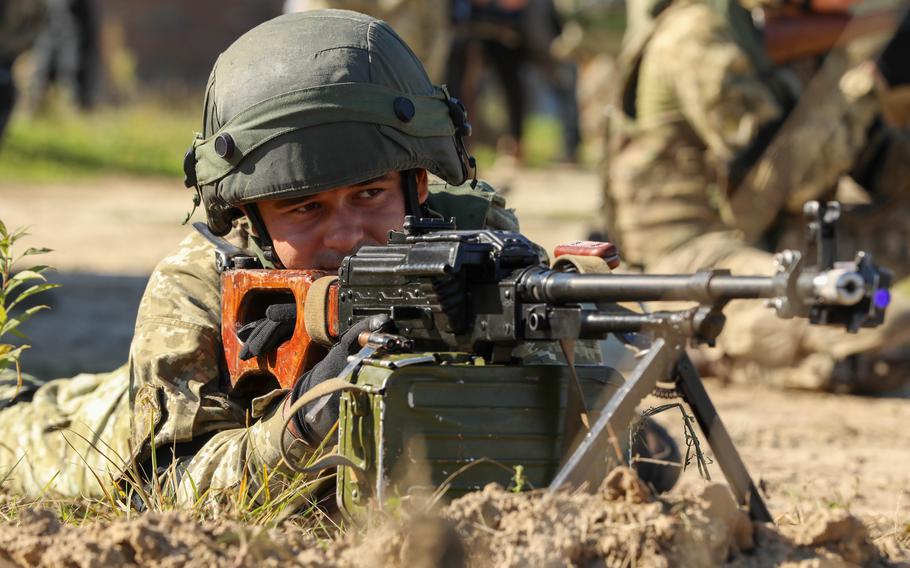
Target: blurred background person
column 423, row 24
column 544, row 28
column 723, row 127
column 589, row 39
column 20, row 23
column 66, row 54
column 512, row 39
column 489, row 33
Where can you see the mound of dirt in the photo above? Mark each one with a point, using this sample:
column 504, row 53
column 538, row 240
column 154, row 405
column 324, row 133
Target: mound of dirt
column 153, row 539
column 621, row 525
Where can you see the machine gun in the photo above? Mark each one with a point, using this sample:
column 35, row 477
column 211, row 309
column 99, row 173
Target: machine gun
column 446, row 383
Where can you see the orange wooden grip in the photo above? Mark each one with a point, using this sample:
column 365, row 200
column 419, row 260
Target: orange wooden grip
column 245, row 295
column 606, row 251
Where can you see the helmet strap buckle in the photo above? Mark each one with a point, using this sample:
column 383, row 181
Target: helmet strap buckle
column 262, row 234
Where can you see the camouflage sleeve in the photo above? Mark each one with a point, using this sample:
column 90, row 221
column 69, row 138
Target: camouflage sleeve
column 246, row 459
column 727, row 102
column 177, row 370
column 66, row 437
column 176, row 359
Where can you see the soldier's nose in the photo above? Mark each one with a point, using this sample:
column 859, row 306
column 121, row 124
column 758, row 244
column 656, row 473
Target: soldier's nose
column 343, row 236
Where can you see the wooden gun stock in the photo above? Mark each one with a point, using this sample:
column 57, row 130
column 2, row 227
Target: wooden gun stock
column 245, row 294
column 793, row 36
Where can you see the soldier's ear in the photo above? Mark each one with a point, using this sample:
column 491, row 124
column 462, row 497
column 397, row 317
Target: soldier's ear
column 423, row 185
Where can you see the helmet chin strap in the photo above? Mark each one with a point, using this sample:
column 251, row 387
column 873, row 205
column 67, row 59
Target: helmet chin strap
column 411, row 198
column 262, row 235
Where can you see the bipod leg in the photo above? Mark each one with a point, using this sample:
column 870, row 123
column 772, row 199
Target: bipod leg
column 693, row 392
column 586, row 466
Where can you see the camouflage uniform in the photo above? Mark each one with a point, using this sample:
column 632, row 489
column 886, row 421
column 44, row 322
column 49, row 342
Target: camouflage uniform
column 696, row 96
column 425, row 26
column 76, row 434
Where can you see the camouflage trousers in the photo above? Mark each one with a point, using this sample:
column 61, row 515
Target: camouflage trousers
column 66, row 436
column 71, row 437
column 756, row 346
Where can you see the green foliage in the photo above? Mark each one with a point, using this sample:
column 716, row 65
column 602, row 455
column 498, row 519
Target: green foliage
column 28, row 282
column 518, row 479
column 543, row 143
column 542, row 140
column 60, row 145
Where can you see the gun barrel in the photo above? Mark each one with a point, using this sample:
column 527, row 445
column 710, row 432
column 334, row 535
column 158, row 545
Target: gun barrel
column 596, row 324
column 565, row 287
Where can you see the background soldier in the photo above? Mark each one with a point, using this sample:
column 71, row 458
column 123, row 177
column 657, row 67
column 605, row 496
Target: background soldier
column 66, row 54
column 20, row 23
column 425, row 25
column 713, row 150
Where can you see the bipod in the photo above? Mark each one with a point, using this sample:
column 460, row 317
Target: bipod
column 665, row 360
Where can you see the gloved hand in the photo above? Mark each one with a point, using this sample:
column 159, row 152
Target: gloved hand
column 316, row 426
column 264, row 335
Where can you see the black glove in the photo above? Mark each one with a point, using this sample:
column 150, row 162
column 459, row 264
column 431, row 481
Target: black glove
column 264, row 335
column 315, row 428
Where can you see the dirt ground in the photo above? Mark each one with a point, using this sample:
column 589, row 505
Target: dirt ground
column 813, row 454
column 620, row 525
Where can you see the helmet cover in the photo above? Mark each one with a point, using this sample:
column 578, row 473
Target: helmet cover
column 314, row 100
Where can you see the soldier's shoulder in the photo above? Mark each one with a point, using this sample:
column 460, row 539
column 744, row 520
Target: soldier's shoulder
column 474, row 206
column 193, row 255
column 185, row 286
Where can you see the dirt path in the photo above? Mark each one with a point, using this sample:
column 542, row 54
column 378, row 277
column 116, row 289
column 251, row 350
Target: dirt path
column 115, row 226
column 810, row 451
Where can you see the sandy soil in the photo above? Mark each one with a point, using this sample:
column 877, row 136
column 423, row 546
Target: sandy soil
column 115, row 226
column 620, row 525
column 814, row 454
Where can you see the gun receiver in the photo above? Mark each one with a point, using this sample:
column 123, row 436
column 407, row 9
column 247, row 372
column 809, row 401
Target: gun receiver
column 486, row 292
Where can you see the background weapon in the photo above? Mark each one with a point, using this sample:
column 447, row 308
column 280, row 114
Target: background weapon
column 795, row 34
column 484, row 293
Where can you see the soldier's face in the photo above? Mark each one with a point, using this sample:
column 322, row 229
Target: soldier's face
column 317, row 232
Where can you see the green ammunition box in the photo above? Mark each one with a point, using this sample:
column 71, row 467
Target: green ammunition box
column 461, row 424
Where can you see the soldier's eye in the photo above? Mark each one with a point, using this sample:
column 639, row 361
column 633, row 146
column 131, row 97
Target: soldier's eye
column 307, row 207
column 371, row 193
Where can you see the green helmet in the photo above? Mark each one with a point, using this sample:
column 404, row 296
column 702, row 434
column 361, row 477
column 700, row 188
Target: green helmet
column 315, row 100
